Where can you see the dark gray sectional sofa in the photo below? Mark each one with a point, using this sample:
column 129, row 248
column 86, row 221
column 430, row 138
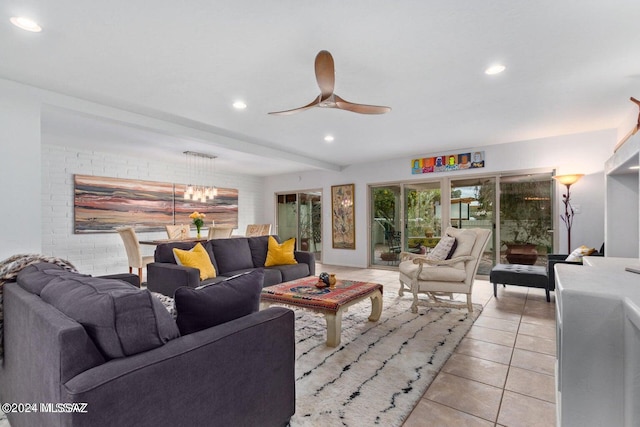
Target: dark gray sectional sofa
column 71, row 338
column 229, row 257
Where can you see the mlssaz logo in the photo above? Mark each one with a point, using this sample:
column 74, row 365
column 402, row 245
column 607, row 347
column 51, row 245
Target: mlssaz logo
column 64, row 407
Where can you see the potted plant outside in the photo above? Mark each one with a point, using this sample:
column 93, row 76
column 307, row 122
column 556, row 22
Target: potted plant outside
column 525, row 220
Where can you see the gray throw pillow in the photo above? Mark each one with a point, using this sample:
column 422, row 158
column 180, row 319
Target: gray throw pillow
column 120, row 319
column 211, row 305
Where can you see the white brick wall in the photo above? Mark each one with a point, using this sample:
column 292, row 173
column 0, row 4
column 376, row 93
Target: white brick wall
column 103, row 253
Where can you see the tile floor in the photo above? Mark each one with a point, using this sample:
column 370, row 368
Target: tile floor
column 502, row 373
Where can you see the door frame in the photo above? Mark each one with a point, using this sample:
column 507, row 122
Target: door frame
column 445, row 200
column 297, row 193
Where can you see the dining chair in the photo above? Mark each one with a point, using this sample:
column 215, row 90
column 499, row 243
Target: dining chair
column 254, row 230
column 179, row 231
column 395, row 247
column 134, row 254
column 220, row 232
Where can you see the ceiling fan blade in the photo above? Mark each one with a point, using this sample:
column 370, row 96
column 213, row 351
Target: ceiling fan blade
column 360, row 108
column 325, row 73
column 297, row 110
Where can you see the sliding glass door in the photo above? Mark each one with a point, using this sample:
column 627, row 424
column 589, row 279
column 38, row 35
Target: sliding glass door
column 299, row 216
column 472, row 206
column 403, row 223
column 518, row 209
column 423, row 216
column 526, row 218
column 386, row 226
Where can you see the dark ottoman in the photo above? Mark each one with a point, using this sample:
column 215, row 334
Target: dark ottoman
column 532, row 276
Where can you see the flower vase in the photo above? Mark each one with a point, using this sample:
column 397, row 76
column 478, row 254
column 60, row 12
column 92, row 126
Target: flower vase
column 198, row 235
column 332, row 281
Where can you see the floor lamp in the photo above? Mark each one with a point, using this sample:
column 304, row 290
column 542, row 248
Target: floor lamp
column 567, row 218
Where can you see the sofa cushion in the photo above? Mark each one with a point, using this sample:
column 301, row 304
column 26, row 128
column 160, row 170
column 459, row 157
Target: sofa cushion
column 280, row 253
column 164, row 252
column 121, row 320
column 211, row 305
column 272, row 276
column 196, row 258
column 259, row 246
column 35, row 277
column 290, row 272
column 216, row 279
column 465, row 239
column 232, row 254
column 435, row 273
column 209, row 247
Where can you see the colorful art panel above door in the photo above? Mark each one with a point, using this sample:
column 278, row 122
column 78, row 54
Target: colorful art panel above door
column 447, row 163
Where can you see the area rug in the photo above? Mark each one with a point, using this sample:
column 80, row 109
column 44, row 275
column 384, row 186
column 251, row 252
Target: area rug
column 380, row 370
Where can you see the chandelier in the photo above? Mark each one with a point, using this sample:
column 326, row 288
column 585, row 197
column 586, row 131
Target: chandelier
column 197, row 165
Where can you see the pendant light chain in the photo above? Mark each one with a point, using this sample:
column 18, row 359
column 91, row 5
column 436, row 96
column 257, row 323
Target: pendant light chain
column 197, row 165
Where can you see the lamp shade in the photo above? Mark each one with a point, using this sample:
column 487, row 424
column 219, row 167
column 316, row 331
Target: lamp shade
column 568, row 179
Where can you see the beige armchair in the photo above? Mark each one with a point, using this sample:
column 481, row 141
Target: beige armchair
column 254, row 230
column 437, row 278
column 180, row 231
column 134, row 254
column 220, row 232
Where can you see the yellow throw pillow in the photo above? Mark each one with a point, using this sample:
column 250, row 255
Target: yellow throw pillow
column 196, row 258
column 280, row 254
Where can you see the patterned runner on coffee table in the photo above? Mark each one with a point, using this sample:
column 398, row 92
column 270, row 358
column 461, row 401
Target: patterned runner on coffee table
column 304, row 293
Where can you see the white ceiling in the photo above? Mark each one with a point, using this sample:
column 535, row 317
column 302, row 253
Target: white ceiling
column 571, row 67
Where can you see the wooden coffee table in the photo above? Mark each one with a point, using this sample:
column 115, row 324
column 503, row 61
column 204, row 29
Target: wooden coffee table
column 331, row 302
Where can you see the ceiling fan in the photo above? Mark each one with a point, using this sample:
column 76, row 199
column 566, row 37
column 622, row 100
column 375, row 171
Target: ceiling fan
column 325, row 76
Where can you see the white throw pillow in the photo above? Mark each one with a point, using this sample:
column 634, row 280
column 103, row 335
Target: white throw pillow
column 443, row 249
column 578, row 253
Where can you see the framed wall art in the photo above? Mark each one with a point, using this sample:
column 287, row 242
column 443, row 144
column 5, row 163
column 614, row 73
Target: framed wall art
column 343, row 220
column 102, row 204
column 448, row 163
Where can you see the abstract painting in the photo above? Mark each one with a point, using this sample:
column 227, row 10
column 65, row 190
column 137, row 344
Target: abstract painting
column 223, row 209
column 102, row 204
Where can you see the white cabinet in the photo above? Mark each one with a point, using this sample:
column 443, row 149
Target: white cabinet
column 622, row 204
column 598, row 337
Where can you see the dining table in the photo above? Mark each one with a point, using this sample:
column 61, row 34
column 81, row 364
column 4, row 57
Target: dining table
column 161, row 241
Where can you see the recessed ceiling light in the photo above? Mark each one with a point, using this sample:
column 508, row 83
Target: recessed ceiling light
column 239, row 105
column 328, row 138
column 495, row 69
column 26, row 24
column 634, row 167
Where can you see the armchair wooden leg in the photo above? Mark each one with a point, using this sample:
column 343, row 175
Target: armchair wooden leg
column 413, row 287
column 140, row 274
column 130, row 270
column 469, row 305
column 414, row 306
column 401, row 291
